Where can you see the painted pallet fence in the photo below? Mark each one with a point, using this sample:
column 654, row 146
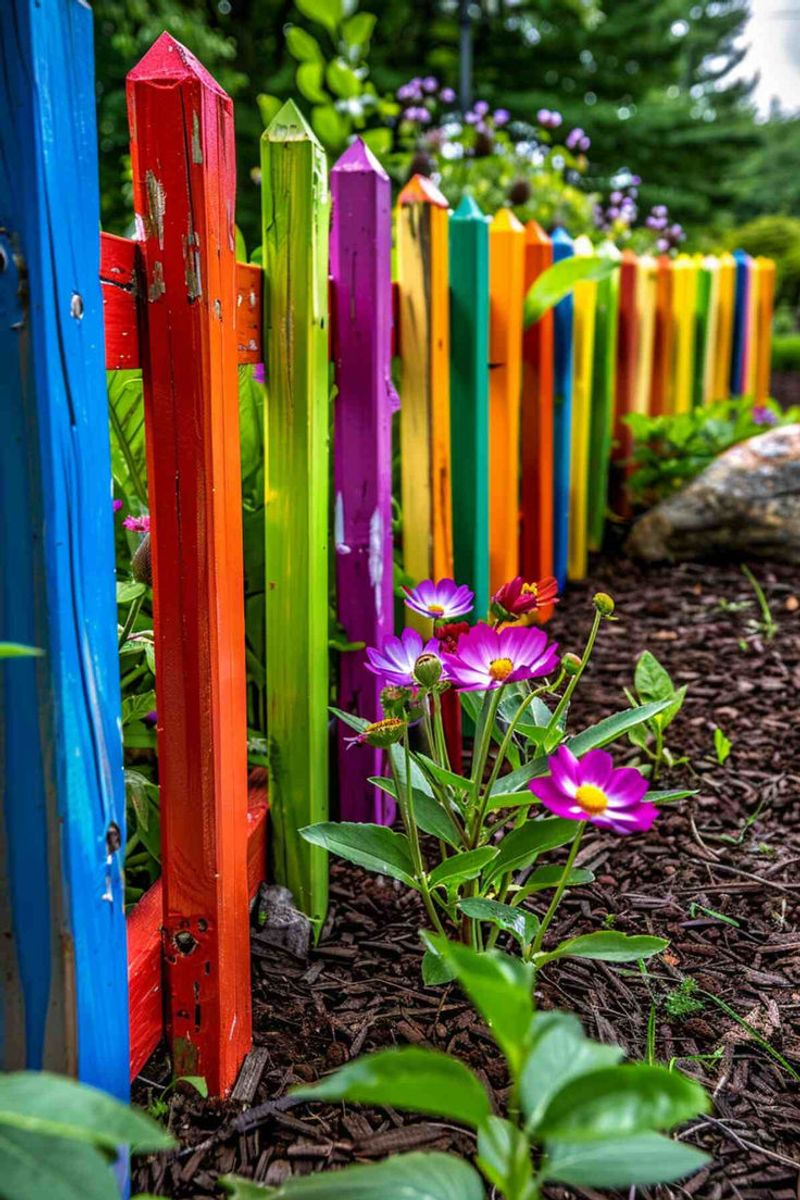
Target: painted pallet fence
column 536, row 438
column 604, row 382
column 584, row 313
column 562, row 413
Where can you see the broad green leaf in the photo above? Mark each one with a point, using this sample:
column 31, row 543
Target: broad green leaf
column 500, row 987
column 198, row 1082
column 621, row 1100
column 309, row 82
column 418, row 777
column 126, row 420
column 637, row 1161
column 357, row 723
column 126, row 592
column 329, row 127
column 38, row 1101
column 441, row 774
column 516, row 921
column 609, row 946
column 15, row 650
column 408, row 1077
column 669, row 714
column 357, row 30
column 651, row 680
column 669, row 796
column 560, row 1052
column 519, row 848
column 268, row 107
column 405, row 1177
column 34, row 1166
column 379, row 140
column 504, row 1156
column 460, row 867
column 435, row 971
column 325, row 12
column 428, row 812
column 557, row 281
column 503, row 800
column 301, row 44
column 342, row 80
column 136, row 707
column 611, row 728
column 371, row 846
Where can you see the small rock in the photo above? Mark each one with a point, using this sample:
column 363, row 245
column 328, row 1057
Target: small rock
column 280, row 924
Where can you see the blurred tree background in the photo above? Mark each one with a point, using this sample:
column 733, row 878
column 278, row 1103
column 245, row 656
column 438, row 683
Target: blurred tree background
column 653, row 82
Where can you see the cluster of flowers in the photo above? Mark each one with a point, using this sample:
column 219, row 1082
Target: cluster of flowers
column 486, row 657
column 139, row 524
column 621, row 209
column 421, row 96
column 670, row 235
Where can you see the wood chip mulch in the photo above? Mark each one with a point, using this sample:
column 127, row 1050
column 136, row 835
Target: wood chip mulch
column 718, row 876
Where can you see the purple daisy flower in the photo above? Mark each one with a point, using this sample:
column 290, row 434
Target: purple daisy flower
column 593, row 789
column 487, row 658
column 397, row 657
column 442, row 601
column 138, row 524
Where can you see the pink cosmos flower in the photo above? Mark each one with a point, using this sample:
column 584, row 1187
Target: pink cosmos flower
column 395, row 660
column 137, row 524
column 441, row 601
column 487, row 658
column 593, row 789
column 116, row 505
column 517, row 597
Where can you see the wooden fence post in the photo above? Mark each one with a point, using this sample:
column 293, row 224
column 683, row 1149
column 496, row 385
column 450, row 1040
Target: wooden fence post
column 766, row 300
column 702, row 308
column 536, row 440
column 741, row 300
column 711, row 268
column 184, row 183
column 585, row 304
column 562, row 414
column 361, row 239
column 423, row 270
column 646, row 296
column 469, row 397
column 63, row 998
column 661, row 397
column 295, row 214
column 604, row 381
column 684, row 298
column 724, row 346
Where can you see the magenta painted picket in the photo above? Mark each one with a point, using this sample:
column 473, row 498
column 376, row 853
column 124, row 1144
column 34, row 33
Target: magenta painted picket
column 361, row 237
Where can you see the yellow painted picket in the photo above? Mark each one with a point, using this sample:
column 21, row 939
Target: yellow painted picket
column 683, row 303
column 583, row 327
column 646, row 284
column 726, row 290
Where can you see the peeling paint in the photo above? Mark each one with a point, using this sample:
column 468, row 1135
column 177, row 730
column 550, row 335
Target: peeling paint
column 218, row 309
column 376, row 558
column 157, row 287
column 197, row 150
column 338, row 526
column 156, row 207
column 191, row 256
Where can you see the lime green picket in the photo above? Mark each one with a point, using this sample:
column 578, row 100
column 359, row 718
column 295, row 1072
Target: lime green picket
column 295, row 209
column 604, row 383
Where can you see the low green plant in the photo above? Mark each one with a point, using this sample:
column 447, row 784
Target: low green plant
column 767, row 625
column 722, row 746
column 786, row 352
column 158, row 1107
column 15, row 650
column 683, row 1001
column 576, row 1113
column 653, row 685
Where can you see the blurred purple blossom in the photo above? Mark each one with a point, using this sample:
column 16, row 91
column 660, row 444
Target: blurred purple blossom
column 501, row 116
column 447, row 95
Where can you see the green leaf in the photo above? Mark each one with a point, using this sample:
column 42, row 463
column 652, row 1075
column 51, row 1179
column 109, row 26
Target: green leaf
column 617, row 1101
column 614, row 727
column 329, row 127
column 408, row 1077
column 637, row 1161
column 39, row 1102
column 561, row 1051
column 459, row 867
column 309, row 82
column 669, row 714
column 268, row 107
column 15, row 650
column 428, row 812
column 405, row 1177
column 325, row 12
column 504, row 1156
column 357, row 723
column 441, row 774
column 342, row 80
column 301, row 44
column 609, row 946
column 722, row 745
column 357, row 30
column 198, row 1082
column 435, row 971
column 500, row 987
column 378, row 140
column 34, row 1166
column 516, row 921
column 519, row 848
column 557, row 281
column 136, row 707
column 669, row 796
column 126, row 592
column 371, row 846
column 651, row 680
column 418, row 777
column 549, row 877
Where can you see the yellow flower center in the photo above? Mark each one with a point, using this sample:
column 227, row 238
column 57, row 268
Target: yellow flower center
column 591, row 799
column 500, row 668
column 435, row 610
column 530, row 589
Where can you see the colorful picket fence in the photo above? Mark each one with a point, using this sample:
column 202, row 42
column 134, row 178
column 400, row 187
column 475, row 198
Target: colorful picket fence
column 509, row 440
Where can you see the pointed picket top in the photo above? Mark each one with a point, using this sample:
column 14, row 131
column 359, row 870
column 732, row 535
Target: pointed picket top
column 168, row 58
column 740, row 256
column 584, row 247
column 289, row 125
column 469, row 210
column 609, row 249
column 535, row 235
column 726, row 258
column 629, row 256
column 560, row 237
column 504, row 221
column 711, row 262
column 358, row 158
column 421, row 190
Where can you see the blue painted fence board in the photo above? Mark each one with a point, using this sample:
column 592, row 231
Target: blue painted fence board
column 62, row 825
column 738, row 353
column 562, row 414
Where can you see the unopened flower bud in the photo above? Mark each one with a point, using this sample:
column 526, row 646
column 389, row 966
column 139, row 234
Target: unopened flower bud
column 383, row 733
column 604, row 603
column 571, row 664
column 428, row 669
column 395, row 700
column 142, row 562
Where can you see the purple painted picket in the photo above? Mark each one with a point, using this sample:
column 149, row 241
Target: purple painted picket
column 362, row 322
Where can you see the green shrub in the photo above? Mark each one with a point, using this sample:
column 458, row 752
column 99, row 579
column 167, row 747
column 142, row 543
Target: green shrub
column 786, row 352
column 775, row 237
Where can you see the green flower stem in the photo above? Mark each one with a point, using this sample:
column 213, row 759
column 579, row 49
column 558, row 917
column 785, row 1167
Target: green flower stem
column 405, row 799
column 130, row 620
column 438, row 726
column 536, row 944
column 491, row 703
column 574, row 681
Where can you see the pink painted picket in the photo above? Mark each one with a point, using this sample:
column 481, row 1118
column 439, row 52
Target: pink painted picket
column 361, row 237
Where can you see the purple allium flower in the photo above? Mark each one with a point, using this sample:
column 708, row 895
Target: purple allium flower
column 660, row 210
column 543, row 117
column 763, row 415
column 573, row 139
column 662, row 245
column 116, row 505
column 612, row 213
column 593, row 789
column 480, row 107
column 584, row 143
column 616, row 197
column 636, row 180
column 406, row 92
column 501, row 116
column 138, row 524
column 430, row 84
column 472, row 118
column 442, row 601
column 395, row 660
column 151, row 717
column 487, row 658
column 447, row 95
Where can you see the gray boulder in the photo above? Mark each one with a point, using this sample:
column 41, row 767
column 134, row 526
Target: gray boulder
column 747, row 502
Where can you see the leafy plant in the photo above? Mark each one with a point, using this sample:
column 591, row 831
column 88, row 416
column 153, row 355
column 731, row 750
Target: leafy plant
column 557, row 281
column 683, row 1000
column 767, row 626
column 577, row 1114
column 158, row 1108
column 60, row 1139
column 652, row 684
column 15, row 650
column 722, row 746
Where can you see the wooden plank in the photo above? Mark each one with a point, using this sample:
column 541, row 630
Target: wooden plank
column 469, row 398
column 702, row 310
column 506, row 277
column 741, row 299
column 749, row 367
column 63, row 1000
column 249, row 313
column 422, row 269
column 766, row 300
column 724, row 345
column 627, row 343
column 661, row 394
column 361, row 241
column 182, row 147
column 711, row 266
column 253, row 1068
column 604, row 379
column 646, row 295
column 536, row 437
column 295, row 237
column 585, row 304
column 684, row 299
column 562, row 414
column 145, row 958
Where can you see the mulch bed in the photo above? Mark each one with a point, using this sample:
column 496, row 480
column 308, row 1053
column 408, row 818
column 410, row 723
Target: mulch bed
column 729, row 908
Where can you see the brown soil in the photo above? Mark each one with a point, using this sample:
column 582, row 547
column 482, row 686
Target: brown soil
column 718, row 876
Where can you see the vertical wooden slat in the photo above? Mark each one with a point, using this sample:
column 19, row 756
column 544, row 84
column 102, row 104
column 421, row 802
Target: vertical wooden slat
column 506, row 268
column 711, row 267
column 295, row 213
column 422, row 267
column 184, row 182
column 646, row 293
column 562, row 413
column 684, row 297
column 627, row 342
column 661, row 397
column 766, row 300
column 604, row 377
column 469, row 397
column 361, row 239
column 536, row 438
column 724, row 343
column 63, row 997
column 750, row 364
column 585, row 299
column 741, row 298
column 701, row 313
